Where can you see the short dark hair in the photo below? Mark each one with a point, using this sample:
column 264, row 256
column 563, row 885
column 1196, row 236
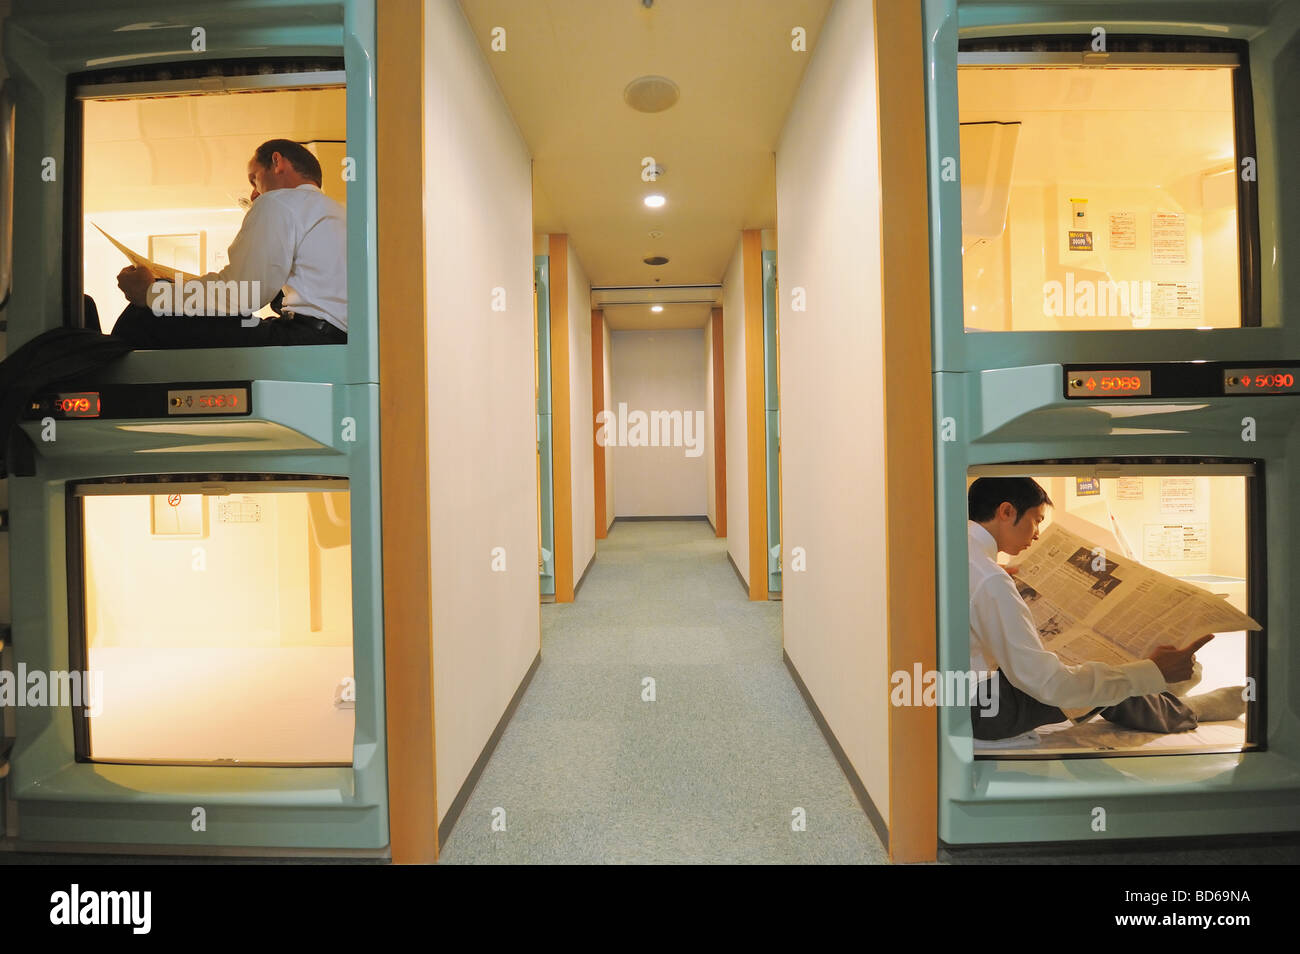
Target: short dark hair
column 298, row 155
column 989, row 493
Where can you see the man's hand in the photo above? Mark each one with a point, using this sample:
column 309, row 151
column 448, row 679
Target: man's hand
column 134, row 280
column 1176, row 664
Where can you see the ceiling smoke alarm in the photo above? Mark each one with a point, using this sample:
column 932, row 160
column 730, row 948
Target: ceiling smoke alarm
column 651, row 94
column 655, row 260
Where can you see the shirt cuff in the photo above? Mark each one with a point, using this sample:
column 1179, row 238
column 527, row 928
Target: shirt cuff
column 1146, row 677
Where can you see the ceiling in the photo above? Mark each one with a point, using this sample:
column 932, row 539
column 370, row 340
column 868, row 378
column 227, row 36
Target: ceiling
column 636, row 318
column 1156, row 125
column 563, row 73
column 186, row 152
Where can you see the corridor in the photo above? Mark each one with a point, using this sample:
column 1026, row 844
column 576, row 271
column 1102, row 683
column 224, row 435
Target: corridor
column 710, row 771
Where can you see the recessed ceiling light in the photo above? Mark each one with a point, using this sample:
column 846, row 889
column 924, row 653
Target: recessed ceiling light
column 651, row 94
column 656, row 308
column 655, row 201
column 655, row 233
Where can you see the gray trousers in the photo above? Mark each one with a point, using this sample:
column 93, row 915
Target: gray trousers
column 1017, row 712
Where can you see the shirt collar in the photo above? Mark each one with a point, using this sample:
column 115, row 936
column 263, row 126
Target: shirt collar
column 981, row 541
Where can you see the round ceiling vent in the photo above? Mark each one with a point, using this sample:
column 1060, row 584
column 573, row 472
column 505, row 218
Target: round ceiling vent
column 655, row 260
column 651, row 94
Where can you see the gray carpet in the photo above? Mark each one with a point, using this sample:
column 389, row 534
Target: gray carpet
column 709, row 772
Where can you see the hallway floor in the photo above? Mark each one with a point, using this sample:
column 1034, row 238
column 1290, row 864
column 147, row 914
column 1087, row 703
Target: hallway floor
column 708, row 772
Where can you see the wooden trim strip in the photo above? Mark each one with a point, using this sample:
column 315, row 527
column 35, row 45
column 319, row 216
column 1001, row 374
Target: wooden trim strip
column 719, row 427
column 561, row 429
column 909, row 425
column 598, row 405
column 755, row 418
column 404, row 433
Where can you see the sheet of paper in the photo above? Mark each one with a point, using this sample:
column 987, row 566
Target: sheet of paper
column 1168, row 238
column 1177, row 495
column 1176, row 300
column 162, row 271
column 1123, row 231
column 1169, row 542
column 1128, row 488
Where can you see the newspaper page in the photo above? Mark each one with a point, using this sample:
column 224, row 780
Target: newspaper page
column 159, row 271
column 1090, row 604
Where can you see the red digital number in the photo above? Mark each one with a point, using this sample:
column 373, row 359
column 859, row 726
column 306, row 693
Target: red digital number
column 1124, row 383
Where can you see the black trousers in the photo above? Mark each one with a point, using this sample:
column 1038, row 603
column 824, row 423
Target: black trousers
column 141, row 328
column 1012, row 712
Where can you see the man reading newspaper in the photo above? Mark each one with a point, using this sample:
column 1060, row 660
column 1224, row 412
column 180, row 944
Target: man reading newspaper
column 1033, row 684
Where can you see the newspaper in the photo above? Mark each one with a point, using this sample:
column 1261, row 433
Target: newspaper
column 1092, row 605
column 159, row 271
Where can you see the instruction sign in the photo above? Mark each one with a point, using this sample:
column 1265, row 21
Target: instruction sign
column 1123, row 231
column 1175, row 542
column 1168, row 238
column 1177, row 495
column 1129, row 488
column 1175, row 299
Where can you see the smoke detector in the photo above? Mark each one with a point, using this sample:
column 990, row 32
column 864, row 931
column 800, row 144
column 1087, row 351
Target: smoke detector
column 655, row 260
column 651, row 94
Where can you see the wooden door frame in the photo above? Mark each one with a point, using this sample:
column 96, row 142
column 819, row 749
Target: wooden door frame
column 908, row 416
column 404, row 432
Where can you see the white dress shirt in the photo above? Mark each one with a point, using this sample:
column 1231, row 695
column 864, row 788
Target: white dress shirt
column 295, row 240
column 1003, row 636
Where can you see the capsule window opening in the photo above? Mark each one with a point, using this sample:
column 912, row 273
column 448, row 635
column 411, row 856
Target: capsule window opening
column 214, row 620
column 162, row 170
column 1111, row 191
column 1191, row 525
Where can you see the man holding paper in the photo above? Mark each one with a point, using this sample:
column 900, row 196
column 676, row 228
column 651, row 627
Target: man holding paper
column 1033, row 685
column 292, row 243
